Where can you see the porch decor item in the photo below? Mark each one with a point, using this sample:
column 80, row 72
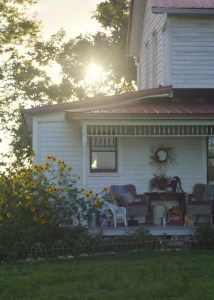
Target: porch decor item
column 197, row 203
column 159, row 212
column 118, row 213
column 138, row 208
column 165, row 184
column 163, row 157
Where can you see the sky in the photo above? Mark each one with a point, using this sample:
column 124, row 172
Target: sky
column 72, row 15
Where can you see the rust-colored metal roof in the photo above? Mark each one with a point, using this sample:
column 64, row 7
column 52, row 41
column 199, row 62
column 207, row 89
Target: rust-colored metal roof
column 155, row 109
column 102, row 101
column 183, row 4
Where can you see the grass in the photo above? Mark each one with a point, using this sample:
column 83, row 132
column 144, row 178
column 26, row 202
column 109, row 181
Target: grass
column 127, row 276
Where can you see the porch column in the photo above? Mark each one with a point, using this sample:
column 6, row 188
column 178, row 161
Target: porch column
column 84, row 153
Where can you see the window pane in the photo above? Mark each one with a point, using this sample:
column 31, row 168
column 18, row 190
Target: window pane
column 211, row 147
column 210, row 170
column 103, row 161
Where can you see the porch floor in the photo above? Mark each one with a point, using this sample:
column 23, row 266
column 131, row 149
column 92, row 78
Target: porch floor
column 154, row 230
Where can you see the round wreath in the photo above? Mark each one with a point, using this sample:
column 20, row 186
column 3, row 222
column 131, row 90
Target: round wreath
column 163, row 156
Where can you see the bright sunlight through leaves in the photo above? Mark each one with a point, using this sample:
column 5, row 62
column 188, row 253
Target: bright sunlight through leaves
column 94, row 73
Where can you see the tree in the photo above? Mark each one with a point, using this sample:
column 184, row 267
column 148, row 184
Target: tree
column 27, row 58
column 113, row 15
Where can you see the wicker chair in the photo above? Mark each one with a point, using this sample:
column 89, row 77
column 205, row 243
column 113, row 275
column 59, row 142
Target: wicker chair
column 197, row 203
column 138, row 208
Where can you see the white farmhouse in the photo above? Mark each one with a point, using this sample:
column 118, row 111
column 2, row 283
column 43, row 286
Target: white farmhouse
column 110, row 140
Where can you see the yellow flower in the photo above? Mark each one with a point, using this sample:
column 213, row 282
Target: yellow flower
column 111, row 198
column 33, row 184
column 87, row 194
column 1, row 218
column 52, row 189
column 8, row 215
column 106, row 189
column 81, row 190
column 47, row 167
column 91, row 193
column 61, row 169
column 44, row 221
column 33, row 209
column 29, row 199
column 98, row 204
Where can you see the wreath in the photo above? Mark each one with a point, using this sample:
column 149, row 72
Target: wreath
column 163, row 156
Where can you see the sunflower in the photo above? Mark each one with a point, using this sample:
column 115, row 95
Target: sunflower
column 106, row 189
column 98, row 204
column 33, row 184
column 52, row 189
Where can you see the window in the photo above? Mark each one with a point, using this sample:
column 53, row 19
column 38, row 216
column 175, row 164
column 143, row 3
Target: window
column 103, row 154
column 210, row 161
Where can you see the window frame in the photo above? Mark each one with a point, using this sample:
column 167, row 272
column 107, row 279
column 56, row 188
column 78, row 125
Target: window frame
column 208, row 157
column 115, row 170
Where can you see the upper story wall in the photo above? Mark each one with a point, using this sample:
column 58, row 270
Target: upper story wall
column 191, row 51
column 151, row 56
column 175, row 49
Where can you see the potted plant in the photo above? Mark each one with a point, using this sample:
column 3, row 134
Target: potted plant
column 158, row 182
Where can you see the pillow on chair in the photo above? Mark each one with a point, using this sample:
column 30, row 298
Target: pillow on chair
column 131, row 199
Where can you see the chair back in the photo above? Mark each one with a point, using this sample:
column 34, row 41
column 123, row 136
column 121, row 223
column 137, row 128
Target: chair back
column 120, row 190
column 198, row 191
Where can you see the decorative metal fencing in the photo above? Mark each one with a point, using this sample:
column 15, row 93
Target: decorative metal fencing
column 84, row 247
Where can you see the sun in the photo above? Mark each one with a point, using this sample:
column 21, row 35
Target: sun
column 94, row 73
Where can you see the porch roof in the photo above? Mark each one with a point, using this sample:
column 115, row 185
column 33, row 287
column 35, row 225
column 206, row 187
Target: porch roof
column 155, row 109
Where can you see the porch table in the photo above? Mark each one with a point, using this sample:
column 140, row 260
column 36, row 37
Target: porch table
column 155, row 197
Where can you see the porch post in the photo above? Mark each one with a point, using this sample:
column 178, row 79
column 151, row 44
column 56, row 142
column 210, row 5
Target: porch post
column 84, row 153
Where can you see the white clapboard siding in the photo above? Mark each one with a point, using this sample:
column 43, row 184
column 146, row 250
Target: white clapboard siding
column 134, row 157
column 60, row 138
column 151, row 22
column 192, row 52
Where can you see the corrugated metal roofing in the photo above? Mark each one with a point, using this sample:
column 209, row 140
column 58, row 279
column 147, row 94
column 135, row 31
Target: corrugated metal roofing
column 166, row 109
column 183, row 3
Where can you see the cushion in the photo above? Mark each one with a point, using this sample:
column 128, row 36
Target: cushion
column 129, row 197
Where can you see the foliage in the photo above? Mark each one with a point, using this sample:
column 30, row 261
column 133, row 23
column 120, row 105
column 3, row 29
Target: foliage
column 27, row 57
column 36, row 203
column 143, row 234
column 113, row 15
column 204, row 236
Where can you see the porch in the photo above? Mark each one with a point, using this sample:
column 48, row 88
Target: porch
column 170, row 230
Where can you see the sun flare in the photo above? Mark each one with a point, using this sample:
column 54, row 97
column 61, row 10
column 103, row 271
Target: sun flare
column 94, row 73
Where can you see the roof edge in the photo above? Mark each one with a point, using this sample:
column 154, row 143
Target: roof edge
column 100, row 101
column 181, row 10
column 135, row 27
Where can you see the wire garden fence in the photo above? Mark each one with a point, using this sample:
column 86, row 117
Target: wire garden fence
column 85, row 247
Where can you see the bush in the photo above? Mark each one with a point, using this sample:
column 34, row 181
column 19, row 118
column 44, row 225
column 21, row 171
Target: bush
column 204, row 236
column 38, row 203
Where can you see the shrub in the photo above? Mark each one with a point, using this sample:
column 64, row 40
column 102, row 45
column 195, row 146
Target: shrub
column 204, row 236
column 39, row 201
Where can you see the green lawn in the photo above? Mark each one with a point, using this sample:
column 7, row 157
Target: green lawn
column 128, row 276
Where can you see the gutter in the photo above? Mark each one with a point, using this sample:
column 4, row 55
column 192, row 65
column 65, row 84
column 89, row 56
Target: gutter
column 197, row 11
